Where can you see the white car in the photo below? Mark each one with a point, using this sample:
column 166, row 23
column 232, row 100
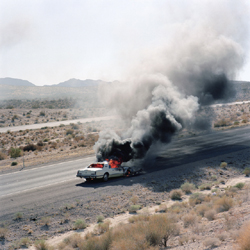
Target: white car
column 102, row 170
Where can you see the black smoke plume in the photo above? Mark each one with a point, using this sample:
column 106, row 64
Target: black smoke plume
column 167, row 90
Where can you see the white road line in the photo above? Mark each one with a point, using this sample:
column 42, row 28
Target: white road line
column 25, row 190
column 20, row 171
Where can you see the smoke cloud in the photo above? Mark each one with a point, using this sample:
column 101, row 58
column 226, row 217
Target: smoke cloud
column 14, row 32
column 171, row 84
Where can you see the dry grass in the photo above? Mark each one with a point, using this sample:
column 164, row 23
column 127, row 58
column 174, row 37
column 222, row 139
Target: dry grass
column 244, row 237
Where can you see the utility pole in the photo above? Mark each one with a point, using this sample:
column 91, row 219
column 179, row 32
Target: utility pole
column 23, row 161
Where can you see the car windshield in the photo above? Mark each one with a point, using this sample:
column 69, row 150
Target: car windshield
column 96, row 165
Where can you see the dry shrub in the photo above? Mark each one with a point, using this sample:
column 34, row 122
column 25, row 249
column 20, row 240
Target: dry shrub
column 25, row 242
column 187, row 187
column 100, row 218
column 134, row 199
column 146, row 233
column 102, row 227
column 246, row 171
column 155, row 230
column 189, row 220
column 73, row 241
column 222, row 123
column 160, row 227
column 223, row 164
column 18, row 216
column 40, row 143
column 176, row 208
column 196, row 198
column 3, row 232
column 162, row 208
column 197, row 229
column 205, row 186
column 240, row 185
column 130, row 236
column 222, row 236
column 2, row 156
column 210, row 214
column 53, row 145
column 211, row 242
column 29, row 147
column 201, row 209
column 46, row 221
column 223, row 204
column 183, row 239
column 80, row 224
column 41, row 245
column 102, row 242
column 231, row 191
column 234, row 234
column 140, row 217
column 230, row 221
column 15, row 152
column 176, row 194
column 134, row 208
column 138, row 242
column 244, row 237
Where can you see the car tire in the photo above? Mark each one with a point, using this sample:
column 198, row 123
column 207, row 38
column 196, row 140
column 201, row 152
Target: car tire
column 129, row 172
column 105, row 177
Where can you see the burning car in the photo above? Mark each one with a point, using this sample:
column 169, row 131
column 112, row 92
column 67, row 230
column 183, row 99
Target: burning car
column 105, row 170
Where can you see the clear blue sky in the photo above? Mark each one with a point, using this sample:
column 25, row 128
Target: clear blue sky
column 50, row 41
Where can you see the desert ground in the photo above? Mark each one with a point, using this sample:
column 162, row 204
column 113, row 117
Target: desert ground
column 213, row 214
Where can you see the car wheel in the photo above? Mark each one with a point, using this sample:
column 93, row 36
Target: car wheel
column 105, row 177
column 129, row 171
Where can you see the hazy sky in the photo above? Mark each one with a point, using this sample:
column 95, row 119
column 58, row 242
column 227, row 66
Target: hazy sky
column 50, row 41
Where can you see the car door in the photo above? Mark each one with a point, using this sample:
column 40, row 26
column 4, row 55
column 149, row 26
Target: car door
column 117, row 172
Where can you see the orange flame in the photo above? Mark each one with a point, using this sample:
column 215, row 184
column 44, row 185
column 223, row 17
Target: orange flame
column 96, row 165
column 114, row 163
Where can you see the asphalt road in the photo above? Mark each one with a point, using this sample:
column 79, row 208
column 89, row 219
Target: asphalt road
column 54, row 124
column 56, row 184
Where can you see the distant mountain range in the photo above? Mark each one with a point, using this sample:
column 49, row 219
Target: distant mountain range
column 84, row 90
column 71, row 83
column 15, row 82
column 76, row 83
